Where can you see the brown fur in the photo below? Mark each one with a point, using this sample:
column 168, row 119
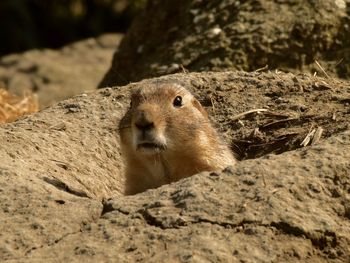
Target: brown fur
column 163, row 143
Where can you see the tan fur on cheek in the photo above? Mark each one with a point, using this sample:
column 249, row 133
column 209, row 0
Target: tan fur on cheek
column 199, row 107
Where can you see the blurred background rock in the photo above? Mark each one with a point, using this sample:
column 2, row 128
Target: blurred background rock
column 28, row 24
column 60, row 48
column 299, row 36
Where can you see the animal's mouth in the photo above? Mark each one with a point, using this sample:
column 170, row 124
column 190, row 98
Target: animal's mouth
column 150, row 146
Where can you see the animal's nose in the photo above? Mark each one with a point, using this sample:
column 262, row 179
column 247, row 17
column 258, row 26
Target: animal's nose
column 143, row 122
column 144, row 125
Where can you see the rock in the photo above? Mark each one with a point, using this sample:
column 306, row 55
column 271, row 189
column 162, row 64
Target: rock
column 59, row 74
column 219, row 35
column 61, row 180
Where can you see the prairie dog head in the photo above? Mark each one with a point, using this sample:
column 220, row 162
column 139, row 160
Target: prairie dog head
column 162, row 118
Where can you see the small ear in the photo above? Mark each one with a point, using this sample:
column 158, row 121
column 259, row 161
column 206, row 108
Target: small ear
column 199, row 107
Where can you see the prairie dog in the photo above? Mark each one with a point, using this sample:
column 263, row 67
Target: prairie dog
column 166, row 135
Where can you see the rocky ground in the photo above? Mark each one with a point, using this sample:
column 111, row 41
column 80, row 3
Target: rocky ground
column 288, row 199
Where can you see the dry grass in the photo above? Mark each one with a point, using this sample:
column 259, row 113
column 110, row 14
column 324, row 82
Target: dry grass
column 12, row 107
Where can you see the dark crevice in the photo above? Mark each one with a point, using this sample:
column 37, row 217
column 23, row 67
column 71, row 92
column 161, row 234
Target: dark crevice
column 108, row 207
column 326, row 240
column 322, row 241
column 64, row 187
column 152, row 221
column 288, row 229
column 222, row 224
column 56, row 241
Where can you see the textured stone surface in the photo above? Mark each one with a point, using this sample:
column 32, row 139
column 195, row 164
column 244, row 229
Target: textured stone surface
column 61, row 182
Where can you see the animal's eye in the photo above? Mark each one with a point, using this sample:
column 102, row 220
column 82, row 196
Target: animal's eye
column 177, row 101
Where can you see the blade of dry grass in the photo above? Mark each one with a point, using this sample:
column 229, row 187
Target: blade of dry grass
column 317, row 136
column 322, row 69
column 243, row 114
column 308, row 138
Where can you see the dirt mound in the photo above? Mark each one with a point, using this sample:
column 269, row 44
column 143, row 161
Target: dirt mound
column 59, row 166
column 59, row 74
column 290, row 35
